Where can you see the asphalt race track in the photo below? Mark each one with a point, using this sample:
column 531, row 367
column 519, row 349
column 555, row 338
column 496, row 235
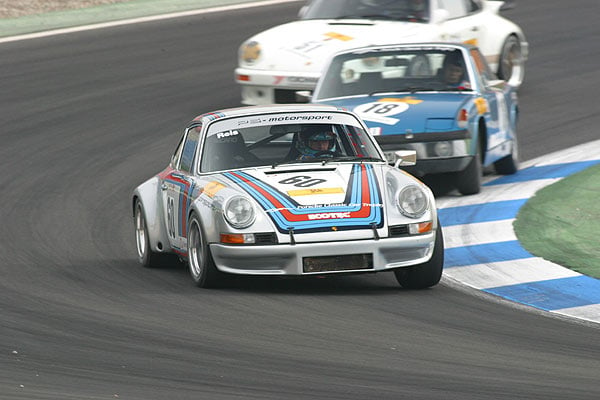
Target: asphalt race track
column 86, row 117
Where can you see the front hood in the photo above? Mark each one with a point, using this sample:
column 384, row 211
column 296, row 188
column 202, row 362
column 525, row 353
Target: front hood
column 418, row 112
column 312, row 198
column 306, row 45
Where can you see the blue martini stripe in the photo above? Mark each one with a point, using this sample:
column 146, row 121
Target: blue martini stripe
column 495, row 211
column 544, row 172
column 484, row 253
column 554, row 294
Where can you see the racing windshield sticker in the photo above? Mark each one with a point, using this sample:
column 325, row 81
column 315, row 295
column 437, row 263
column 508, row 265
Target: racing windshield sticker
column 362, row 207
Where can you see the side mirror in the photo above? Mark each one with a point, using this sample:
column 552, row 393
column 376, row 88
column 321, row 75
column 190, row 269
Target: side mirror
column 404, row 158
column 439, row 15
column 303, row 96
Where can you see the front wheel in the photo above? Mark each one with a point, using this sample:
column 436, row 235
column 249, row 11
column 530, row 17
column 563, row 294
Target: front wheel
column 202, row 266
column 427, row 274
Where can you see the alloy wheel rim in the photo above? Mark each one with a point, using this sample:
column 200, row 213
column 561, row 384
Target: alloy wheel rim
column 195, row 250
column 140, row 232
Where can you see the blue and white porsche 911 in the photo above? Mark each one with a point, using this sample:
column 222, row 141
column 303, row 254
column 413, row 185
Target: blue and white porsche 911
column 287, row 190
column 438, row 99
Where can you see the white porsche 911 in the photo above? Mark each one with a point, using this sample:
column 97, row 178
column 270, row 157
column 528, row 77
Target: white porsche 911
column 277, row 63
column 287, row 190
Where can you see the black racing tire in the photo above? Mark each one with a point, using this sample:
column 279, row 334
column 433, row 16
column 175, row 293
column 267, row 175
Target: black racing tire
column 509, row 164
column 200, row 262
column 146, row 257
column 511, row 66
column 428, row 274
column 468, row 181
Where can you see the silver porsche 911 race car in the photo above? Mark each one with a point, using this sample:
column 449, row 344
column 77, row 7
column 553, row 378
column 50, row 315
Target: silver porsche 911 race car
column 287, row 190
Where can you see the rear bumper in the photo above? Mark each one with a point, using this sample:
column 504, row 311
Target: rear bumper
column 267, row 87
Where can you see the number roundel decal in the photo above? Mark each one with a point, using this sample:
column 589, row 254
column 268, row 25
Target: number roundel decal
column 381, row 109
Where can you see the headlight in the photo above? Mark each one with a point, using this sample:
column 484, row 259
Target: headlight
column 250, row 52
column 239, row 212
column 412, row 201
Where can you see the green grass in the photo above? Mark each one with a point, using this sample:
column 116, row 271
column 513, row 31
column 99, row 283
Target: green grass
column 561, row 223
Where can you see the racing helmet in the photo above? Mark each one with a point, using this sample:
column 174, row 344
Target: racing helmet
column 307, row 140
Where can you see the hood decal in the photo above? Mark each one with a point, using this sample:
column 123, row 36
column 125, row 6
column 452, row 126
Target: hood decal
column 362, row 207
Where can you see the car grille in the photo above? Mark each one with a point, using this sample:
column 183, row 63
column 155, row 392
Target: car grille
column 346, row 262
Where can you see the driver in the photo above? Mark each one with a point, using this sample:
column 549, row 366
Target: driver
column 312, row 145
column 453, row 71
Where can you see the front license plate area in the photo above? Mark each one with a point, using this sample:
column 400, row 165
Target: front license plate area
column 337, row 263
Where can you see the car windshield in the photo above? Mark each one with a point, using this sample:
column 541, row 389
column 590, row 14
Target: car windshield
column 402, row 10
column 269, row 145
column 418, row 69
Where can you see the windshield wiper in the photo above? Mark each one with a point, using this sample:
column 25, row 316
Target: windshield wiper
column 455, row 89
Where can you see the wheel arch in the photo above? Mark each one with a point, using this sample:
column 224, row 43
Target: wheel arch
column 148, row 195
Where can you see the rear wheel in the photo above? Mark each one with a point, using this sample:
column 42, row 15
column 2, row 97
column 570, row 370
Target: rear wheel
column 202, row 266
column 147, row 257
column 427, row 274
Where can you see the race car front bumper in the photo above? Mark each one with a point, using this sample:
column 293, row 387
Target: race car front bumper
column 370, row 255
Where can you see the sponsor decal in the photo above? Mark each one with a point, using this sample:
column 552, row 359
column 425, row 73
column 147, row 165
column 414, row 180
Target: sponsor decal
column 338, row 36
column 300, row 118
column 481, row 105
column 308, row 192
column 330, row 215
column 212, row 188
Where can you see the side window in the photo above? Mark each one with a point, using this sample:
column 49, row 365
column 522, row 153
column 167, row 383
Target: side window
column 177, row 154
column 189, row 149
column 481, row 65
column 456, row 8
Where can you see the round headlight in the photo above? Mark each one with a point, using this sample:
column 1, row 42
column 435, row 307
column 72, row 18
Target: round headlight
column 239, row 212
column 412, row 201
column 250, row 52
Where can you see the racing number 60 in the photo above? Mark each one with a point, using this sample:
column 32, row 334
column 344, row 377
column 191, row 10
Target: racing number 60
column 302, row 181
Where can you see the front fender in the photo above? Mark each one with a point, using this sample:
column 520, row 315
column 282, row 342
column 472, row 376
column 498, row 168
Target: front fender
column 149, row 194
